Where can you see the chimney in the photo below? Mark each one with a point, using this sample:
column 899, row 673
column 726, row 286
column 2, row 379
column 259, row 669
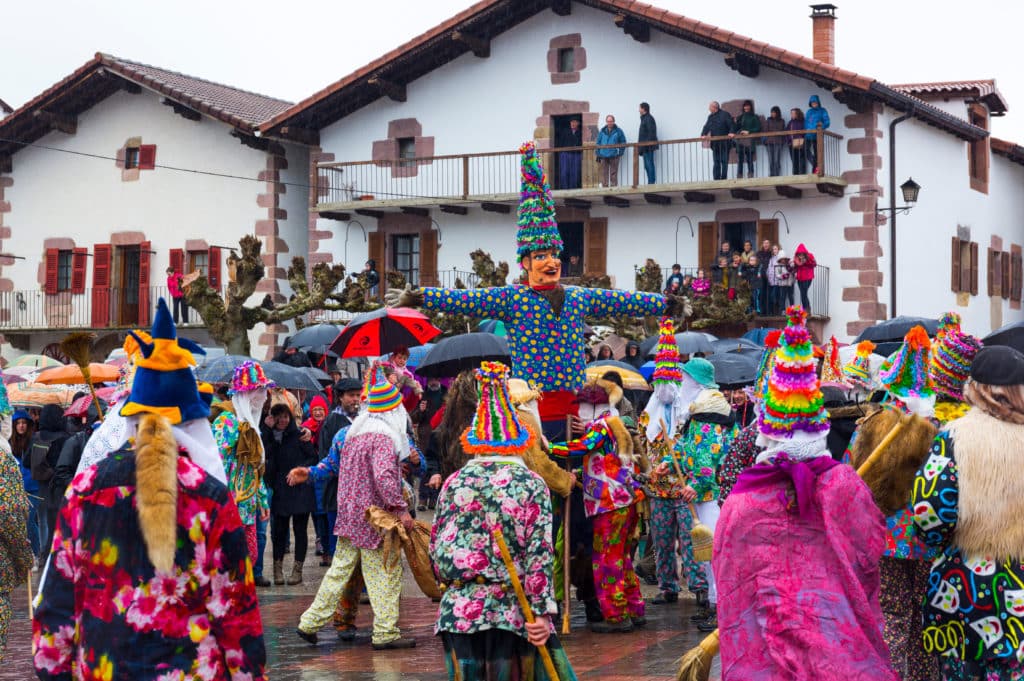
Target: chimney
column 823, row 18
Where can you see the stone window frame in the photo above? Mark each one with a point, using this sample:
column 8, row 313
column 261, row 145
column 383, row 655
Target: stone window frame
column 573, row 41
column 386, row 152
column 145, row 159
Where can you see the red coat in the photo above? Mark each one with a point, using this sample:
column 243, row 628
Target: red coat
column 804, row 272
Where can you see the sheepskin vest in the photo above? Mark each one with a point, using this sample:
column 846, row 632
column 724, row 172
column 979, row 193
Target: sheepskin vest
column 989, row 454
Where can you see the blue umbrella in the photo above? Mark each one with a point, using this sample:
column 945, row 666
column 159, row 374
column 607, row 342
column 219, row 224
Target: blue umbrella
column 758, row 335
column 647, row 370
column 416, row 355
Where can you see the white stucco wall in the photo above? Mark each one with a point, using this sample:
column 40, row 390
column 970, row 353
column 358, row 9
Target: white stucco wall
column 63, row 195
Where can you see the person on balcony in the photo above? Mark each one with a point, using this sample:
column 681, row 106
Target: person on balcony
column 610, row 134
column 752, row 272
column 803, row 271
column 774, row 145
column 780, row 281
column 796, row 142
column 816, row 115
column 746, row 124
column 648, row 133
column 569, row 161
column 718, row 124
column 177, row 295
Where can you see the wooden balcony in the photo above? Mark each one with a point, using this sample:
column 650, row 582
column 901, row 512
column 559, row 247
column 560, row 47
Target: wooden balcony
column 683, row 168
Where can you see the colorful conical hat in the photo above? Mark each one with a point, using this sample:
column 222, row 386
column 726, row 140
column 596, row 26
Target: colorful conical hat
column 831, row 371
column 952, row 354
column 536, row 214
column 764, row 369
column 905, row 374
column 249, row 376
column 794, row 407
column 858, row 369
column 382, row 395
column 496, row 428
column 666, row 355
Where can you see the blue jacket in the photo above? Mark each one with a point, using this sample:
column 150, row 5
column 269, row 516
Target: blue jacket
column 816, row 115
column 616, row 136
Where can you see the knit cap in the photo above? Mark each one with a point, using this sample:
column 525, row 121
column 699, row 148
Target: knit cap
column 536, row 214
column 831, row 371
column 496, row 428
column 905, row 374
column 764, row 369
column 382, row 395
column 249, row 376
column 666, row 355
column 794, row 408
column 952, row 354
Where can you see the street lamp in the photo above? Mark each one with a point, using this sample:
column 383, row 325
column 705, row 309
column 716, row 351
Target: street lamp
column 910, row 190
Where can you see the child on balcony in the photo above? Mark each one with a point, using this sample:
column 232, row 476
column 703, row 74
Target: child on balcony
column 701, row 286
column 177, row 295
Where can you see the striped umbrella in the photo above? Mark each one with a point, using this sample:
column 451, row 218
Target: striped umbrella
column 36, row 395
column 375, row 333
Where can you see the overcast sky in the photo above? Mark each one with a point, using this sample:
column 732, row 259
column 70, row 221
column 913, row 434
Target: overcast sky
column 291, row 49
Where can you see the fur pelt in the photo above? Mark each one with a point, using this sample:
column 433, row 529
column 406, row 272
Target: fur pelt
column 623, row 440
column 459, row 409
column 988, row 459
column 614, row 391
column 891, row 478
column 537, row 460
column 156, row 489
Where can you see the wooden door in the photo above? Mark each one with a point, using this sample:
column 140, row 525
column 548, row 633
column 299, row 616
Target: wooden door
column 428, row 258
column 144, row 298
column 128, row 285
column 595, row 246
column 707, row 244
column 101, row 286
column 767, row 229
column 377, row 253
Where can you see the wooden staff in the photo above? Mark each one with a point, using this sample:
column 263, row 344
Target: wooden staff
column 566, row 587
column 545, row 656
column 29, row 582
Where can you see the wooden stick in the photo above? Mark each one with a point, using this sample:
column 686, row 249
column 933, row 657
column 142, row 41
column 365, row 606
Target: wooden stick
column 29, row 582
column 545, row 656
column 877, row 451
column 566, row 586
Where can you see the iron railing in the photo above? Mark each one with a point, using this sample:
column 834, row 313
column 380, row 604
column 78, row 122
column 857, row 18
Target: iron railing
column 496, row 175
column 93, row 308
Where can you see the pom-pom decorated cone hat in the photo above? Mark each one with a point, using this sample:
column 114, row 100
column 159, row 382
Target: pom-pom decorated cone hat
column 831, row 371
column 905, row 373
column 666, row 355
column 952, row 354
column 496, row 428
column 249, row 376
column 858, row 370
column 794, row 407
column 164, row 383
column 381, row 394
column 537, row 229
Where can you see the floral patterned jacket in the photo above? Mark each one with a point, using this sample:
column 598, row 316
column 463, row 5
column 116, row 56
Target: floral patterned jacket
column 478, row 593
column 15, row 552
column 705, row 441
column 546, row 349
column 244, row 481
column 103, row 613
column 608, row 484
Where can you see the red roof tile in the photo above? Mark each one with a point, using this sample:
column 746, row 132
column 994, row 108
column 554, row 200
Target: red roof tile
column 982, row 89
column 1012, row 151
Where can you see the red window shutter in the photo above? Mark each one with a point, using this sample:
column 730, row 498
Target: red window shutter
column 52, row 263
column 993, row 264
column 1016, row 277
column 178, row 260
column 144, row 258
column 78, row 259
column 101, row 285
column 213, row 268
column 954, row 280
column 147, row 157
column 1004, row 261
column 974, row 268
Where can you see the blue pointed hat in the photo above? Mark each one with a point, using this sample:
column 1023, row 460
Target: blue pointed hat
column 164, row 382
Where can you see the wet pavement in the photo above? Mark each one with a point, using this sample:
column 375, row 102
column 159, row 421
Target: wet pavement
column 648, row 653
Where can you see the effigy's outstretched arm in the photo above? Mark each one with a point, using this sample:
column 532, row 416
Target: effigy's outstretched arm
column 477, row 302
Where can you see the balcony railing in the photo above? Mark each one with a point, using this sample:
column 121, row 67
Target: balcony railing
column 680, row 165
column 108, row 308
column 817, row 294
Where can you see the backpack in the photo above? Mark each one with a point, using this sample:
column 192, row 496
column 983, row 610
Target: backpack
column 39, row 459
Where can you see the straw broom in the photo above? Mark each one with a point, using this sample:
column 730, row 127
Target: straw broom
column 696, row 664
column 545, row 656
column 78, row 346
column 702, row 537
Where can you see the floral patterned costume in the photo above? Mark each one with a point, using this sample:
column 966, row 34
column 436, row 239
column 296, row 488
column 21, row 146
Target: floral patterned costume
column 478, row 601
column 104, row 613
column 974, row 607
column 610, row 496
column 244, row 480
column 15, row 551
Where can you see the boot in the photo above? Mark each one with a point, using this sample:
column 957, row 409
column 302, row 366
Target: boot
column 711, row 623
column 593, row 610
column 278, row 572
column 296, row 576
column 261, row 581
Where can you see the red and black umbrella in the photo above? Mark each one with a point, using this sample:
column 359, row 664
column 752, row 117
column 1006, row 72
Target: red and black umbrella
column 381, row 331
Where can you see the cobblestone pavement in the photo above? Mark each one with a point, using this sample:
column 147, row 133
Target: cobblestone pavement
column 649, row 653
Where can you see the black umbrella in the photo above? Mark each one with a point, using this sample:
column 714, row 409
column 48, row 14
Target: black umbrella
column 739, row 346
column 453, row 355
column 895, row 329
column 1010, row 335
column 222, row 369
column 290, row 378
column 734, row 370
column 318, row 375
column 689, row 342
column 312, row 336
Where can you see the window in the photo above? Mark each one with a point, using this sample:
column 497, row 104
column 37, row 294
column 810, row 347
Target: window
column 1016, row 275
column 566, row 60
column 406, row 250
column 406, row 150
column 64, row 270
column 131, row 158
column 977, row 150
column 199, row 260
column 964, row 271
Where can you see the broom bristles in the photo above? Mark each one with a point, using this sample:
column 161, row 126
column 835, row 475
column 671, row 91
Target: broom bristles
column 696, row 664
column 78, row 347
column 703, row 540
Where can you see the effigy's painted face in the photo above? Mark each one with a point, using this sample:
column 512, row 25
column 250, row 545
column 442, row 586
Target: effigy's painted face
column 543, row 268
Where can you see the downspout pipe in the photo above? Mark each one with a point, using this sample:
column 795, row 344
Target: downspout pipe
column 892, row 210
